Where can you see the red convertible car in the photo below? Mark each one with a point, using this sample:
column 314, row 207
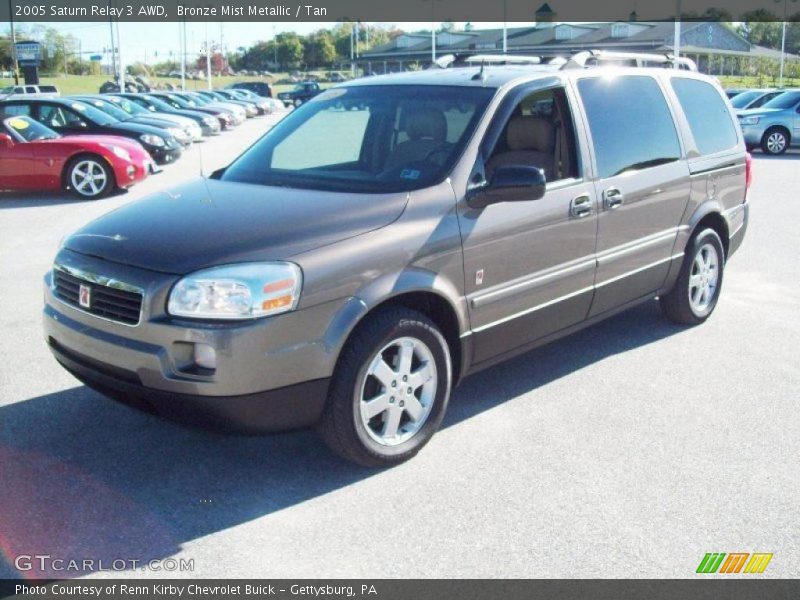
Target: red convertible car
column 34, row 157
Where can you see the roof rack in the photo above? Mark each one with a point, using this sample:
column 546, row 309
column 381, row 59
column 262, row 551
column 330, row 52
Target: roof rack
column 601, row 58
column 580, row 60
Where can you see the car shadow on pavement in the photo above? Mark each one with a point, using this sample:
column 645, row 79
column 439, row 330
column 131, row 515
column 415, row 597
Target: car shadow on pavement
column 18, row 199
column 85, row 478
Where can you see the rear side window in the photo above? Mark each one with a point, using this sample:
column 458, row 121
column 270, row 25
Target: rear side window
column 630, row 122
column 708, row 116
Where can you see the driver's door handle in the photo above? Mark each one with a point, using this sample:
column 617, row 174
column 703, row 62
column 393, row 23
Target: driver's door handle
column 613, row 198
column 581, row 206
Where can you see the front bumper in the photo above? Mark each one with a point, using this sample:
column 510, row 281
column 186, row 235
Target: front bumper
column 271, row 373
column 164, row 155
column 753, row 134
column 283, row 409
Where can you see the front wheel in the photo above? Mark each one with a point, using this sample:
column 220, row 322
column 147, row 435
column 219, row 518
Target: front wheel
column 298, row 102
column 775, row 141
column 390, row 389
column 89, row 177
column 696, row 291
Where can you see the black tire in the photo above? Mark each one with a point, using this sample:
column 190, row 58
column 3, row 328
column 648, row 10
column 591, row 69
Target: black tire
column 341, row 425
column 775, row 133
column 677, row 304
column 99, row 165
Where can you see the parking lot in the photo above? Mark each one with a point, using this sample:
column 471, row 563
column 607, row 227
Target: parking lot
column 630, row 449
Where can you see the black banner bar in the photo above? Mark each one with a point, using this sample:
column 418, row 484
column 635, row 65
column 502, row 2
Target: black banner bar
column 382, row 589
column 516, row 11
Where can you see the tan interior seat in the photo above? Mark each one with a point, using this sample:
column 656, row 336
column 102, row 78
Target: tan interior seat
column 426, row 130
column 530, row 141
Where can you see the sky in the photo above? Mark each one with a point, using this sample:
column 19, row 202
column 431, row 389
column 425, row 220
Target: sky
column 141, row 41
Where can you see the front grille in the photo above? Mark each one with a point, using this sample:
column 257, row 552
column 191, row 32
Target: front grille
column 104, row 301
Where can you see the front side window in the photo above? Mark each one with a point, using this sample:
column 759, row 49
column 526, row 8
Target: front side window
column 784, row 100
column 539, row 134
column 744, row 99
column 366, row 138
column 630, row 123
column 711, row 123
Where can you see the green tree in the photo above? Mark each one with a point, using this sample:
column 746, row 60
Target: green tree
column 319, row 49
column 290, row 49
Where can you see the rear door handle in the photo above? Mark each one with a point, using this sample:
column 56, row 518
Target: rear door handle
column 581, row 206
column 613, row 198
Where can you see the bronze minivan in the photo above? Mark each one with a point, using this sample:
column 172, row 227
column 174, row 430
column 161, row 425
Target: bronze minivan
column 397, row 233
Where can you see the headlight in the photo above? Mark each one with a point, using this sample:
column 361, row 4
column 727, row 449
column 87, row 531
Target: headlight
column 210, row 121
column 153, row 140
column 118, row 152
column 749, row 120
column 243, row 291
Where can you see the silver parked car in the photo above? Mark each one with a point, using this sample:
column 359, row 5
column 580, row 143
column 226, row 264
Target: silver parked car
column 775, row 126
column 398, row 233
column 754, row 98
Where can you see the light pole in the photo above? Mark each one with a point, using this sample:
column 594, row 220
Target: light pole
column 13, row 44
column 505, row 29
column 677, row 43
column 783, row 40
column 433, row 30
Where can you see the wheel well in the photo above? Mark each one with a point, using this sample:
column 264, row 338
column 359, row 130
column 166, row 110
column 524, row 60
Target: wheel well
column 717, row 223
column 438, row 310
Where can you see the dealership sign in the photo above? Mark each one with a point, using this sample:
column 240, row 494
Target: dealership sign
column 28, row 53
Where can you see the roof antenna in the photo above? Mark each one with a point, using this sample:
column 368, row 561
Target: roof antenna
column 480, row 75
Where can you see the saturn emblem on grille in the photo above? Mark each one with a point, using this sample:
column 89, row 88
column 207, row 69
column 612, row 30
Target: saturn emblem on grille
column 85, row 296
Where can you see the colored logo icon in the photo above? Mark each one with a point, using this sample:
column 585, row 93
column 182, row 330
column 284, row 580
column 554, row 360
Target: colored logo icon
column 735, row 562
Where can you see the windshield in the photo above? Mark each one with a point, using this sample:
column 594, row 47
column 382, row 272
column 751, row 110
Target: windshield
column 93, row 114
column 745, row 98
column 108, row 108
column 175, row 101
column 128, row 106
column 25, row 128
column 6, row 90
column 160, row 104
column 785, row 100
column 371, row 139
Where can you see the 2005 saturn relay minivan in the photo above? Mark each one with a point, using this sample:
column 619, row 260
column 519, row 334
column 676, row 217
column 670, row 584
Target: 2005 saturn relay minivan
column 397, row 233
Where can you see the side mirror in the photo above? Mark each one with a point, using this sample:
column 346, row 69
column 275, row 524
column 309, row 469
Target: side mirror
column 6, row 140
column 513, row 183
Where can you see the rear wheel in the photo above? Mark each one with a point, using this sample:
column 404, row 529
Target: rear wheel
column 696, row 291
column 89, row 177
column 390, row 389
column 775, row 141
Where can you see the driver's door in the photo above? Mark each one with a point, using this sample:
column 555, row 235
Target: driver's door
column 17, row 167
column 530, row 265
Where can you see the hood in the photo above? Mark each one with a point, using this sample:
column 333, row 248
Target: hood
column 208, row 222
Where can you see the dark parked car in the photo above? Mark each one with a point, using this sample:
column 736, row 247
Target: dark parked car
column 227, row 118
column 258, row 87
column 182, row 134
column 754, row 98
column 399, row 233
column 209, row 124
column 70, row 117
column 302, row 93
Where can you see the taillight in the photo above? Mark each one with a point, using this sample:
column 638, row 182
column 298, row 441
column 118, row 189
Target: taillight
column 748, row 171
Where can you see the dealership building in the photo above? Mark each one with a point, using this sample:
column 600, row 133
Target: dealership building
column 716, row 47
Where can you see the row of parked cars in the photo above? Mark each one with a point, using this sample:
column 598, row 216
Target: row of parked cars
column 93, row 144
column 770, row 118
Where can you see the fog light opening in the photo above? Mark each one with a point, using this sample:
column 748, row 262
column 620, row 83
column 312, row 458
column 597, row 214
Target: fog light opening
column 205, row 356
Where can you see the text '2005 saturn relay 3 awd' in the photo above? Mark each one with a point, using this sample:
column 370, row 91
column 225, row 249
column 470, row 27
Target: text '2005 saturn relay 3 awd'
column 450, row 219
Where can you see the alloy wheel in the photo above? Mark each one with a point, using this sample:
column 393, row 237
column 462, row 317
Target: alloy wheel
column 398, row 391
column 703, row 279
column 88, row 178
column 776, row 142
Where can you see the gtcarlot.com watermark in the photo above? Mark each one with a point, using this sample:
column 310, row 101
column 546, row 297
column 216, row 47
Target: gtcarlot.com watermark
column 45, row 563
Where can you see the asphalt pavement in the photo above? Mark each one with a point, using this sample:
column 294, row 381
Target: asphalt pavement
column 630, row 449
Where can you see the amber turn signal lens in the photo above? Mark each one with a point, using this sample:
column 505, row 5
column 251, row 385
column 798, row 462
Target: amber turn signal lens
column 278, row 302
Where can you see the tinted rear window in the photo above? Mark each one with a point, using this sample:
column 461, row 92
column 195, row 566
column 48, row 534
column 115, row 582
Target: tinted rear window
column 708, row 116
column 630, row 122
